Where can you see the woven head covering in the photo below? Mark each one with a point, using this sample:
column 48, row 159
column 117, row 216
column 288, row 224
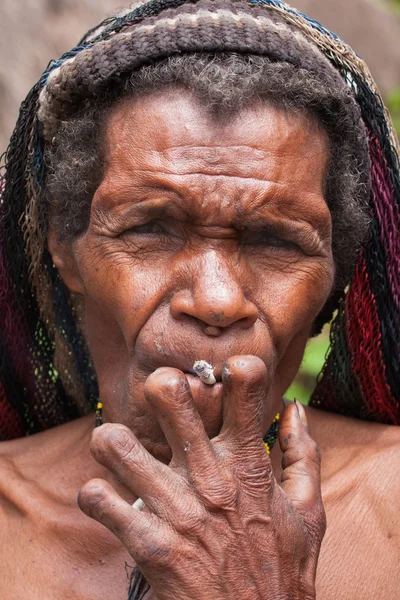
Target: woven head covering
column 46, row 377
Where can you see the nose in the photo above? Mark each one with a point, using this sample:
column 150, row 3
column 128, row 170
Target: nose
column 216, row 297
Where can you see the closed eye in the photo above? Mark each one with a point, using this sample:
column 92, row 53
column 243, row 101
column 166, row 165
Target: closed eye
column 267, row 239
column 151, row 228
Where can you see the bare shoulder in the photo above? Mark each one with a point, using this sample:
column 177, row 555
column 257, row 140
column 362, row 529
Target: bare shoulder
column 38, row 463
column 360, row 488
column 351, row 443
column 360, row 462
column 42, row 529
column 360, row 467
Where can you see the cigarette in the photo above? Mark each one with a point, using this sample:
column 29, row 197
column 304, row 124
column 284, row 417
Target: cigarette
column 205, row 371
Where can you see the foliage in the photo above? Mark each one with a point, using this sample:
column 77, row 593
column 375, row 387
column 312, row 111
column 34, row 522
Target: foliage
column 313, row 361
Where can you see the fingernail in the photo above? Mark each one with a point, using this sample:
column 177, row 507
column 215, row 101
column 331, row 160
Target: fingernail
column 285, row 404
column 226, row 372
column 138, row 504
column 301, row 412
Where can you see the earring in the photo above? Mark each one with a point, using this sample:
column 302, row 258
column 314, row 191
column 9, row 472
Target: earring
column 99, row 417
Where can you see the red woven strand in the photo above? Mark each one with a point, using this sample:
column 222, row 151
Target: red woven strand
column 387, row 214
column 364, row 343
column 10, row 424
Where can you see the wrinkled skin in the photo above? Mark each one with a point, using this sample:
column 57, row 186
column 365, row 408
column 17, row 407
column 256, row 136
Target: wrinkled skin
column 207, row 240
column 217, row 508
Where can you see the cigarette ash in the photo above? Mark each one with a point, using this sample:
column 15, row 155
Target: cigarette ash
column 205, row 371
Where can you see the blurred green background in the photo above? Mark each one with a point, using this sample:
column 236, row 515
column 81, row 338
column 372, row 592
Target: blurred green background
column 312, row 363
column 393, row 99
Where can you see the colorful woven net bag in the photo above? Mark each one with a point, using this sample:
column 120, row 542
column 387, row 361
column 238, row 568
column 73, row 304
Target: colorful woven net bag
column 46, row 376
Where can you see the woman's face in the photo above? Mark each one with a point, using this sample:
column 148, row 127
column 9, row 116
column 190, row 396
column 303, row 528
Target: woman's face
column 206, row 239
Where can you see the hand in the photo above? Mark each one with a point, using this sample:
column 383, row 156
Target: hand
column 217, row 525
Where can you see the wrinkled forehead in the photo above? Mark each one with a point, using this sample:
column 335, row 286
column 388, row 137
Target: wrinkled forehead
column 170, row 140
column 175, row 123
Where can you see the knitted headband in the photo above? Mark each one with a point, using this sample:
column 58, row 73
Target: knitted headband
column 45, row 373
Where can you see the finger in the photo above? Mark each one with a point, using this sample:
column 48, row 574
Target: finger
column 117, row 448
column 301, row 463
column 245, row 381
column 168, row 391
column 146, row 538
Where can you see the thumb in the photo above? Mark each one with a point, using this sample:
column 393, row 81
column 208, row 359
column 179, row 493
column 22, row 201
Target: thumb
column 301, row 464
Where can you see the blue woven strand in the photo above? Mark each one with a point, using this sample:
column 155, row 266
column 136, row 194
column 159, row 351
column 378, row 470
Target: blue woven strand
column 55, row 64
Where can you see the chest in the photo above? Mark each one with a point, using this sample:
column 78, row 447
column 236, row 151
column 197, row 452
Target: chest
column 361, row 550
column 44, row 561
column 69, row 557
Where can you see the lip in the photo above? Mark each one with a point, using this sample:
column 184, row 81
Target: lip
column 216, row 370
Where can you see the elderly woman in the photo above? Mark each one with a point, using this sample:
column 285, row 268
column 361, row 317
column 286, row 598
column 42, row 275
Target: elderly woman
column 200, row 181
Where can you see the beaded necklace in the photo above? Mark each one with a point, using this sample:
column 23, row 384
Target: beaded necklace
column 272, row 434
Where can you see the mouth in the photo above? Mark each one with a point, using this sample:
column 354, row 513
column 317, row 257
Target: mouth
column 183, row 363
column 207, row 398
column 195, row 380
column 193, row 376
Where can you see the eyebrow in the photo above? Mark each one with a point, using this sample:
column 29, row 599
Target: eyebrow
column 151, row 207
column 161, row 199
column 277, row 223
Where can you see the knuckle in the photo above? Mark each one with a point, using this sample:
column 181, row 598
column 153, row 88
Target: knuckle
column 219, row 492
column 131, row 527
column 128, row 449
column 155, row 548
column 111, row 436
column 247, row 371
column 258, row 479
column 313, row 448
column 193, row 521
column 156, row 555
column 165, row 383
column 313, row 452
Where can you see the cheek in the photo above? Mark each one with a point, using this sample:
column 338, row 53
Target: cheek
column 121, row 290
column 120, row 295
column 293, row 298
column 297, row 301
